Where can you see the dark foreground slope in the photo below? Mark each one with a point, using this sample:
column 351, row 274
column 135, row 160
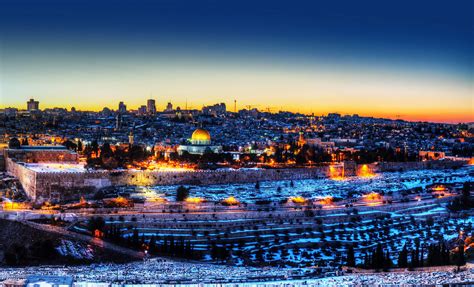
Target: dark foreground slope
column 22, row 245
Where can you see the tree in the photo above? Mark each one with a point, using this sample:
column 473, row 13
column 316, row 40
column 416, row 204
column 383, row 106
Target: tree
column 135, row 238
column 378, row 260
column 70, row 145
column 460, row 259
column 14, row 143
column 403, row 257
column 182, row 193
column 350, row 257
column 79, row 146
column 152, row 245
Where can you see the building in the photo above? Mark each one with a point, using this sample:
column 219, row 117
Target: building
column 215, row 110
column 169, row 107
column 32, row 105
column 200, row 143
column 142, row 110
column 151, row 107
column 431, row 155
column 118, row 122
column 122, row 108
column 316, row 142
column 10, row 112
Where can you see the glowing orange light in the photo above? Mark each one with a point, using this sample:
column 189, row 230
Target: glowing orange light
column 10, row 205
column 230, row 201
column 119, row 202
column 471, row 161
column 162, row 166
column 373, row 196
column 365, row 172
column 297, row 199
column 98, row 233
column 194, row 200
column 335, row 174
column 328, row 200
column 439, row 188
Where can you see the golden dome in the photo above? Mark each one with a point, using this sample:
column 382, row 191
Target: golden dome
column 201, row 135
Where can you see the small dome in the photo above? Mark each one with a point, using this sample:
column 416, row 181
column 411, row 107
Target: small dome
column 201, row 135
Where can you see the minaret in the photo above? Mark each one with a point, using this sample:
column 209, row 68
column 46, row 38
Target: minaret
column 130, row 137
column 118, row 122
column 301, row 140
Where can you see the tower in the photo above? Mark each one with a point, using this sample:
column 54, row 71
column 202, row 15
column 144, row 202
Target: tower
column 118, row 122
column 122, row 108
column 32, row 105
column 130, row 138
column 151, row 107
column 169, row 107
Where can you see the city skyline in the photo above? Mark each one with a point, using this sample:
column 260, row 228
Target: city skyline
column 412, row 61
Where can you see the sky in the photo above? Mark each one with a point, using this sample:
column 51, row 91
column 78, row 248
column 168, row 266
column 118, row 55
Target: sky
column 398, row 59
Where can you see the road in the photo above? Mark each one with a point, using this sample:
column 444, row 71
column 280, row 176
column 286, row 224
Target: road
column 86, row 238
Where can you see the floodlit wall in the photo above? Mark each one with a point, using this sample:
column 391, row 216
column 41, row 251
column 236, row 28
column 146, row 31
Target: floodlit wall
column 59, row 186
column 63, row 185
column 26, row 176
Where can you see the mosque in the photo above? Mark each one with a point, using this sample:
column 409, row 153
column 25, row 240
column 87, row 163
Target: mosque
column 200, row 143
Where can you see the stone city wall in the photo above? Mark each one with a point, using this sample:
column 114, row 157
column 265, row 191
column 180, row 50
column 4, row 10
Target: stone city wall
column 26, row 176
column 59, row 186
column 405, row 166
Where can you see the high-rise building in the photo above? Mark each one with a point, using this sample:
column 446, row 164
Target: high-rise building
column 142, row 110
column 169, row 107
column 215, row 110
column 151, row 107
column 32, row 105
column 122, row 108
column 118, row 122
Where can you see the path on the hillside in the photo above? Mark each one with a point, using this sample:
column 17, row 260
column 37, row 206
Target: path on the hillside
column 86, row 238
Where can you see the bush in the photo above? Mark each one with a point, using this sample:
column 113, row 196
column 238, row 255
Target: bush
column 182, row 193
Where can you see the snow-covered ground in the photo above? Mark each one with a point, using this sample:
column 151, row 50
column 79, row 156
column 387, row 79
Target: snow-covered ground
column 74, row 249
column 157, row 273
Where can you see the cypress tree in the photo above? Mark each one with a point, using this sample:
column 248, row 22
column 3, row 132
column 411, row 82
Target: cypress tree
column 403, row 257
column 460, row 259
column 350, row 256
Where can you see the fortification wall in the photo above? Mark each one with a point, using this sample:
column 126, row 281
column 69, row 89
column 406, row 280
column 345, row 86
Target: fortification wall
column 26, row 176
column 60, row 186
column 405, row 166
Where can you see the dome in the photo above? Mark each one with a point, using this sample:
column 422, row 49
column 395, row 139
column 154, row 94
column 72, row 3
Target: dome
column 201, row 135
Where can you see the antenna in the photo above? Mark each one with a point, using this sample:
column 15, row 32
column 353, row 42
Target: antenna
column 235, row 106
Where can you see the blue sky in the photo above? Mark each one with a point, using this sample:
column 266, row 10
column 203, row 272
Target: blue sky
column 46, row 42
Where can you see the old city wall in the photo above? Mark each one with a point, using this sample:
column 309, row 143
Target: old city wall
column 405, row 166
column 216, row 177
column 59, row 186
column 26, row 176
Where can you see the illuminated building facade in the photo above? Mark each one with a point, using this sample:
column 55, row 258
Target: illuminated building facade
column 200, row 143
column 32, row 105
